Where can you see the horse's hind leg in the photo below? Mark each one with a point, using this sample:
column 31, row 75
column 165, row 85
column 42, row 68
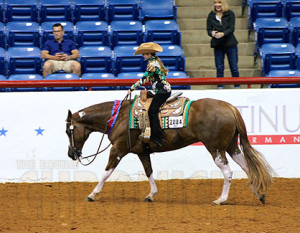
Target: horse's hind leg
column 236, row 154
column 146, row 161
column 222, row 163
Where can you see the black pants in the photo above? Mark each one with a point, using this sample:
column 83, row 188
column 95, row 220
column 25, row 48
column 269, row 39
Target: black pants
column 157, row 101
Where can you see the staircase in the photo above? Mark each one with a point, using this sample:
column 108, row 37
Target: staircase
column 199, row 55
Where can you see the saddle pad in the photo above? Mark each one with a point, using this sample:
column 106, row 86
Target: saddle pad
column 172, row 115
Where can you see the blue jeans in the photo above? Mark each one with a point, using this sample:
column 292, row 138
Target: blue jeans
column 232, row 55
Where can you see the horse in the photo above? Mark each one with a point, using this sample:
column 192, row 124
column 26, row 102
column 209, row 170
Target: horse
column 215, row 123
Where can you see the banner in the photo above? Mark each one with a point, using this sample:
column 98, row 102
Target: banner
column 33, row 143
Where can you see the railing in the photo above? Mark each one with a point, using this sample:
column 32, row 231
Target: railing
column 128, row 82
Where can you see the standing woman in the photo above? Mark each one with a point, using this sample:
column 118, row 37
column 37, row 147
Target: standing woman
column 220, row 26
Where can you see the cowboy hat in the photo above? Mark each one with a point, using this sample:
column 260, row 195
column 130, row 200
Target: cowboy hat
column 149, row 47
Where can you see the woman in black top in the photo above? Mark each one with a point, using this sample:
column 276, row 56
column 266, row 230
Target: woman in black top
column 220, row 26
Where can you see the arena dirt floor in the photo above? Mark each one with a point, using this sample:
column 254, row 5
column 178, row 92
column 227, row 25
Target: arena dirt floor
column 180, row 206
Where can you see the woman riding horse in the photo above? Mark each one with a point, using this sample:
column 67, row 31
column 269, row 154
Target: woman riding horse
column 155, row 74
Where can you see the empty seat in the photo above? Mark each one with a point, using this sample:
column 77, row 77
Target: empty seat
column 173, row 57
column 99, row 76
column 263, row 8
column 47, row 31
column 21, row 10
column 291, row 8
column 158, row 9
column 26, row 77
column 270, row 30
column 2, row 36
column 131, row 75
column 2, row 62
column 92, row 10
column 284, row 73
column 277, row 56
column 122, row 10
column 23, row 34
column 2, row 17
column 125, row 60
column 178, row 74
column 95, row 59
column 92, row 33
column 294, row 27
column 55, row 10
column 24, row 60
column 162, row 32
column 62, row 76
column 126, row 33
column 298, row 56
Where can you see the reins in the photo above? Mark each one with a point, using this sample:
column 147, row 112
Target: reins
column 80, row 158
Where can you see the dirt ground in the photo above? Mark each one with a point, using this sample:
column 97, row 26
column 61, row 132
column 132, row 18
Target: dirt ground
column 180, row 206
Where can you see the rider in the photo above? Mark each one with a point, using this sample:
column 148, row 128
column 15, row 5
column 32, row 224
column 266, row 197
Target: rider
column 155, row 74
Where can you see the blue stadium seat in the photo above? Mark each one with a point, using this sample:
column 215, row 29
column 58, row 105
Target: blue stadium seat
column 263, row 8
column 23, row 34
column 162, row 32
column 62, row 76
column 173, row 57
column 92, row 33
column 294, row 27
column 158, row 9
column 125, row 60
column 2, row 16
column 2, row 89
column 291, row 8
column 131, row 75
column 2, row 61
column 284, row 73
column 178, row 74
column 92, row 10
column 47, row 31
column 122, row 10
column 126, row 33
column 24, row 60
column 277, row 56
column 95, row 59
column 2, row 36
column 270, row 30
column 21, row 10
column 26, row 77
column 99, row 76
column 55, row 10
column 298, row 56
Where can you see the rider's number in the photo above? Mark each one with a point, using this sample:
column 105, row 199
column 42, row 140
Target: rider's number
column 175, row 122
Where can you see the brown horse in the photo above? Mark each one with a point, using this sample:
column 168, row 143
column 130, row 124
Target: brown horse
column 217, row 124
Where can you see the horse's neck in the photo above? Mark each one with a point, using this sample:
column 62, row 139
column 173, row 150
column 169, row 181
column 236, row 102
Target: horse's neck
column 96, row 116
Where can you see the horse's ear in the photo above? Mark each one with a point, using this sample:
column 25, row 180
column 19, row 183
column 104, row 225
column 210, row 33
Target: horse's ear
column 69, row 115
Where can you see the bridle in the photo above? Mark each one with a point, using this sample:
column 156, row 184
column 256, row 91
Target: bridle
column 77, row 153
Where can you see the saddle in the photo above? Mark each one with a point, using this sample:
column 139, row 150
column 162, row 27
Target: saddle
column 172, row 113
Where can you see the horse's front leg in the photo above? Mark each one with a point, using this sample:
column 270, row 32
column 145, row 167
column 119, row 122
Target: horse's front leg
column 145, row 159
column 114, row 158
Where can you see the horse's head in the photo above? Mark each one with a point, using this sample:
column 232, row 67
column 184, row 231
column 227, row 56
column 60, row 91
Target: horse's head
column 78, row 134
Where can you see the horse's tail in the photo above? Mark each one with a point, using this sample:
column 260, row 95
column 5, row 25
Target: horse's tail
column 260, row 172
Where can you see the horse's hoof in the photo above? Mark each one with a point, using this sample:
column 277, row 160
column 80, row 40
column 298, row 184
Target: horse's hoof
column 218, row 202
column 263, row 198
column 148, row 199
column 89, row 199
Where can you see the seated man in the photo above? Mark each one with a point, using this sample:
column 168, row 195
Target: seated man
column 60, row 53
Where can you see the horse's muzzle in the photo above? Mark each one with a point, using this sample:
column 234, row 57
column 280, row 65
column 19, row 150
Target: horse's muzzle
column 74, row 153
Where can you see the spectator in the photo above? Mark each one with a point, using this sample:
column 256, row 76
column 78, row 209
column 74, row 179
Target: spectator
column 60, row 53
column 220, row 26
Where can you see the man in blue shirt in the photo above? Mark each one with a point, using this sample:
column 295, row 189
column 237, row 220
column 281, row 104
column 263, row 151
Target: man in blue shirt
column 60, row 53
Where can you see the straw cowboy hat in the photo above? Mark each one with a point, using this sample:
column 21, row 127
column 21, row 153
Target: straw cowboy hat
column 149, row 47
